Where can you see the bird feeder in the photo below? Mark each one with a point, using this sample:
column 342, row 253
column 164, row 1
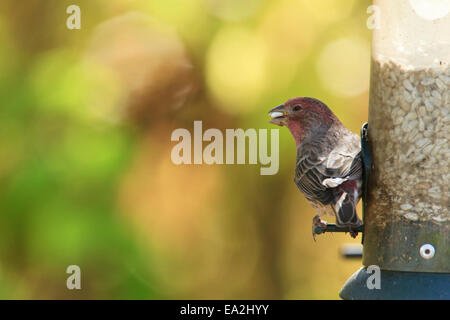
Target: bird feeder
column 407, row 201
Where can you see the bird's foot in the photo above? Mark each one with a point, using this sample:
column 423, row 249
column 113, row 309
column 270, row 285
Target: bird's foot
column 318, row 226
column 352, row 232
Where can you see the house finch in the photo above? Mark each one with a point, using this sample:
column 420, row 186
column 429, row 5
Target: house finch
column 329, row 166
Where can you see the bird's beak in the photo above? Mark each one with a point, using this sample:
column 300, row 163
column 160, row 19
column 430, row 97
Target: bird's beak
column 279, row 115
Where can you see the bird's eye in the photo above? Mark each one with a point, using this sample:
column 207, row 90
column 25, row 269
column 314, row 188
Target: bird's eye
column 296, row 108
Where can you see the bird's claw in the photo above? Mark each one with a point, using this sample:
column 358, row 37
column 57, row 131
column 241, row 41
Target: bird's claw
column 318, row 226
column 352, row 232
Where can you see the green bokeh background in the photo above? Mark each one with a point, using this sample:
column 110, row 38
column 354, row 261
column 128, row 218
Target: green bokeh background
column 85, row 122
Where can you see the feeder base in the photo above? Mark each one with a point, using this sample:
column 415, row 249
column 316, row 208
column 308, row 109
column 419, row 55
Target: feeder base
column 398, row 285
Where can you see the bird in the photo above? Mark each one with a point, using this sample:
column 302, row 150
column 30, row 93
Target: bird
column 328, row 168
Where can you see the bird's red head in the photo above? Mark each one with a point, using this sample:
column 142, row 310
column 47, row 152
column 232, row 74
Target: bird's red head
column 301, row 115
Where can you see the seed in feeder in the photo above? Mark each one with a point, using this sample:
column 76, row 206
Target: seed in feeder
column 434, row 189
column 439, row 219
column 412, row 124
column 435, row 195
column 405, row 127
column 422, row 142
column 416, row 103
column 408, row 96
column 389, row 83
column 428, row 105
column 428, row 149
column 441, row 85
column 421, row 125
column 412, row 135
column 419, row 157
column 427, row 81
column 435, row 101
column 428, row 133
column 410, row 150
column 436, row 94
column 408, row 85
column 445, row 78
column 436, row 113
column 393, row 76
column 411, row 116
column 436, row 150
column 411, row 216
column 391, row 102
column 422, row 111
column 406, row 206
column 400, row 112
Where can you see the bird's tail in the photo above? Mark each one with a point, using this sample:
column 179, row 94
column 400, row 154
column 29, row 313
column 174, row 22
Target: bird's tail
column 345, row 210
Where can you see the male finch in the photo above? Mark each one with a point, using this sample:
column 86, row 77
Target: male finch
column 329, row 166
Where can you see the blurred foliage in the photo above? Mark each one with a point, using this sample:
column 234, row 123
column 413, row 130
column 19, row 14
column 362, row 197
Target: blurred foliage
column 85, row 123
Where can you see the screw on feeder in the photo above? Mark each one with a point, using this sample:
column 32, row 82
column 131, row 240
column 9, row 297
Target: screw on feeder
column 427, row 251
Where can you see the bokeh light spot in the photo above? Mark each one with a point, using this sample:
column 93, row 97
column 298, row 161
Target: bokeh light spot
column 340, row 67
column 236, row 69
column 234, row 10
column 431, row 9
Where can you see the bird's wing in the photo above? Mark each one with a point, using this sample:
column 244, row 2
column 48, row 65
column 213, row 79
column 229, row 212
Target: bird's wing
column 316, row 175
column 344, row 161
